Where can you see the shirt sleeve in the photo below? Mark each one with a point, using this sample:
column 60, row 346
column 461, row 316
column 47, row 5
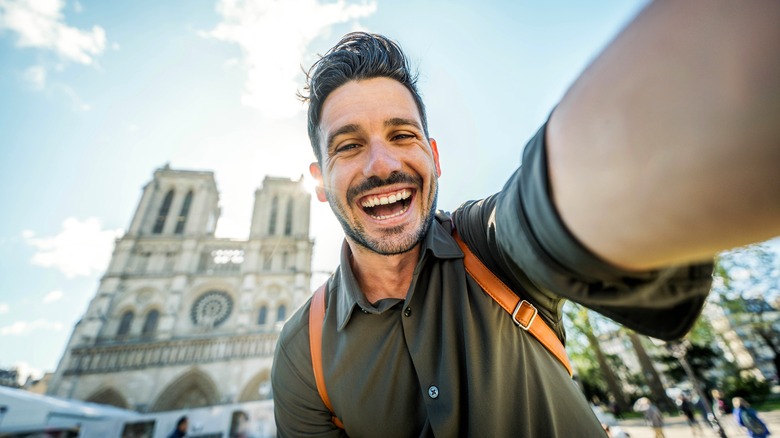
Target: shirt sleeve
column 537, row 253
column 298, row 408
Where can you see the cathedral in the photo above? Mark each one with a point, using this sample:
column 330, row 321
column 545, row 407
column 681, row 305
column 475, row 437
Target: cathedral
column 183, row 319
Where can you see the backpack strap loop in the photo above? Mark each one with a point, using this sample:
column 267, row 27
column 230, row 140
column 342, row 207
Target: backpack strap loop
column 522, row 312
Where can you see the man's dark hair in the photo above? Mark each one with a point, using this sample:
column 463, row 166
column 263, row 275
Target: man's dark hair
column 358, row 56
column 181, row 421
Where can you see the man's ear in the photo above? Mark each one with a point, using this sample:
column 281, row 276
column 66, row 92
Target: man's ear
column 435, row 150
column 319, row 189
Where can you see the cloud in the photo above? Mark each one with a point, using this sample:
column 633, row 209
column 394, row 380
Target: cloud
column 40, row 24
column 24, row 370
column 75, row 99
column 80, row 249
column 273, row 36
column 4, row 308
column 36, row 77
column 23, row 327
column 52, row 296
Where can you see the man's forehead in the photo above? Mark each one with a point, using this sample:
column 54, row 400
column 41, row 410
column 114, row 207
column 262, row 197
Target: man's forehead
column 359, row 101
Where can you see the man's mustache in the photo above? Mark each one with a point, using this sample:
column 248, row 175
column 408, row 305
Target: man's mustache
column 376, row 182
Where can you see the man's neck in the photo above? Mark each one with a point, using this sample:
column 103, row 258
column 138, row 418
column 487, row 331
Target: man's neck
column 381, row 276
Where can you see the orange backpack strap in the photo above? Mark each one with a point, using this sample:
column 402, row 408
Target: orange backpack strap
column 522, row 312
column 316, row 318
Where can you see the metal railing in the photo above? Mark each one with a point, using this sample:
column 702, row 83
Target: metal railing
column 134, row 356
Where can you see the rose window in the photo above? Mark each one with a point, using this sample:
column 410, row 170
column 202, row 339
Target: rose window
column 212, row 309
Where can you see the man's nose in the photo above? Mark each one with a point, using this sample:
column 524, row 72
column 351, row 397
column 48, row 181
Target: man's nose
column 383, row 160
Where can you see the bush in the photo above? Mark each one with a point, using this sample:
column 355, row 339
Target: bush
column 748, row 387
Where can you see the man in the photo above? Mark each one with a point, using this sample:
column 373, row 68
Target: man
column 181, row 428
column 687, row 408
column 602, row 212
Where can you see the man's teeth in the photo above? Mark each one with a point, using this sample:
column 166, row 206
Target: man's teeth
column 388, row 216
column 386, row 199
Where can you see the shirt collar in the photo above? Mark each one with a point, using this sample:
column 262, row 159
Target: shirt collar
column 438, row 242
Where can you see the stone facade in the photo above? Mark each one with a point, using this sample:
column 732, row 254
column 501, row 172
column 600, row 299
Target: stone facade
column 183, row 319
column 738, row 337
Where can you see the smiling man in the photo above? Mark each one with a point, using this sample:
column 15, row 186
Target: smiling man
column 416, row 342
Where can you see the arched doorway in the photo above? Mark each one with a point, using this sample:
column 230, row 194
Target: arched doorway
column 108, row 396
column 193, row 389
column 259, row 388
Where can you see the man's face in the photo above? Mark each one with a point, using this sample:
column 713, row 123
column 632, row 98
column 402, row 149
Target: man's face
column 379, row 173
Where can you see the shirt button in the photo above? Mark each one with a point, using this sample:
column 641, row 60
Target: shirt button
column 363, row 310
column 408, row 311
column 433, row 391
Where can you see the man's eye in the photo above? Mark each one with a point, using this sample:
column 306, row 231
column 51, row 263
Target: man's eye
column 402, row 136
column 346, row 147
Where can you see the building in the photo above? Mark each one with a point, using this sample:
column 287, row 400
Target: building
column 182, row 319
column 737, row 328
column 9, row 378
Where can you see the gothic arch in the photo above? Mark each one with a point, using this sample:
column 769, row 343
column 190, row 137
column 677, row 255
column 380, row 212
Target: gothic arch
column 145, row 297
column 124, row 308
column 193, row 389
column 261, row 314
column 282, row 311
column 274, row 290
column 125, row 325
column 252, row 389
column 214, row 284
column 108, row 396
column 151, row 321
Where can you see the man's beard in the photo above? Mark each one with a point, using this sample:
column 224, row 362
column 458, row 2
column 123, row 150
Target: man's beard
column 391, row 242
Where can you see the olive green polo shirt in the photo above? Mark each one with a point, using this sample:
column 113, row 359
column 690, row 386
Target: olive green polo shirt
column 447, row 360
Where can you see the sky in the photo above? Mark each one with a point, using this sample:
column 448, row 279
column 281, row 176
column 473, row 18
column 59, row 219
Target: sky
column 96, row 95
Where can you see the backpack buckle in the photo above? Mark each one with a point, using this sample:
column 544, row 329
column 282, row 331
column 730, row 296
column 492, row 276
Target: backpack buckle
column 526, row 305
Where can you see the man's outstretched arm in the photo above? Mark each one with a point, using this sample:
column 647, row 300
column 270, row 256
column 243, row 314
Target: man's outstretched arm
column 666, row 150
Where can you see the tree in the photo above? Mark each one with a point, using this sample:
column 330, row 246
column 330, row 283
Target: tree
column 579, row 319
column 650, row 374
column 743, row 281
column 700, row 357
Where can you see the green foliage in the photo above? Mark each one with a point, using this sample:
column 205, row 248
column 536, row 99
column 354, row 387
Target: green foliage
column 702, row 333
column 701, row 357
column 747, row 387
column 767, row 405
column 750, row 271
column 593, row 384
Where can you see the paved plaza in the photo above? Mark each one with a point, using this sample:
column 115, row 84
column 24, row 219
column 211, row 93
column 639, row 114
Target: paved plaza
column 677, row 427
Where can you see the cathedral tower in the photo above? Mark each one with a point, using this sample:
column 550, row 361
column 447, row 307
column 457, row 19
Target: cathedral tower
column 179, row 310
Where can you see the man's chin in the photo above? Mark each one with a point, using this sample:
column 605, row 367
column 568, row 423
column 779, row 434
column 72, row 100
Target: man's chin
column 388, row 244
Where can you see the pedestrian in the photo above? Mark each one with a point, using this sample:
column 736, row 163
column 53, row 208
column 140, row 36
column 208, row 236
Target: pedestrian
column 655, row 419
column 687, row 409
column 413, row 335
column 747, row 417
column 720, row 407
column 614, row 407
column 181, row 428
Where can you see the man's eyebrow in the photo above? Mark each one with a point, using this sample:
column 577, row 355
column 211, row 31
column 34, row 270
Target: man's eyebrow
column 400, row 121
column 346, row 129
